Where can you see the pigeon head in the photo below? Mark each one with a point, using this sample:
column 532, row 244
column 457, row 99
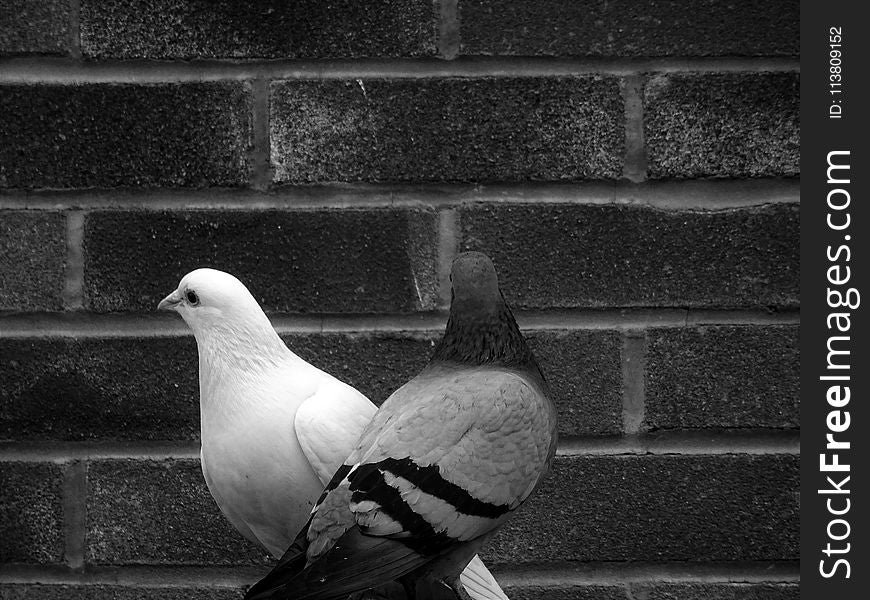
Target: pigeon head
column 475, row 284
column 205, row 293
column 217, row 306
column 481, row 328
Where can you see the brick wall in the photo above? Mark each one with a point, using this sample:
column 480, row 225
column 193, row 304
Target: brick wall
column 631, row 167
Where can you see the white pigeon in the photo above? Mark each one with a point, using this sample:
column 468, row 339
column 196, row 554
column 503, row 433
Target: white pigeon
column 442, row 465
column 274, row 428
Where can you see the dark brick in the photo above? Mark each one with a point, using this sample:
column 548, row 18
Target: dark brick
column 262, row 29
column 377, row 364
column 116, row 592
column 658, row 508
column 99, row 388
column 32, row 260
column 719, row 591
column 356, row 261
column 34, row 27
column 722, row 125
column 485, row 129
column 147, row 388
column 625, row 28
column 584, row 373
column 159, row 512
column 668, row 591
column 559, row 255
column 31, row 512
column 723, row 377
column 107, row 135
column 582, row 368
column 575, row 592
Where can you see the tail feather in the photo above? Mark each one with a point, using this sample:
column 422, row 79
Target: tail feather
column 479, row 582
column 290, row 566
column 356, row 563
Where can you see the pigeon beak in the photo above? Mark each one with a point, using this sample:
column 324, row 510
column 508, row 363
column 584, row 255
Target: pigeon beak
column 170, row 302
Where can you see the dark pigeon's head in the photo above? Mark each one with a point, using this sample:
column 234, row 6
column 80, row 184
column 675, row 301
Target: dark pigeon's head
column 481, row 328
column 474, row 282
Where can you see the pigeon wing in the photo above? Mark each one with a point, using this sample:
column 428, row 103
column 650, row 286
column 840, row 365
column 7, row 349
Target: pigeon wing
column 460, row 449
column 329, row 423
column 442, row 464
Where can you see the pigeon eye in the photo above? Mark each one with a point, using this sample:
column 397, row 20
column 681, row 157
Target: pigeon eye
column 192, row 297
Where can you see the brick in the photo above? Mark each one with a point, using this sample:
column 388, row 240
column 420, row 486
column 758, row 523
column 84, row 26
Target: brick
column 575, row 592
column 669, row 591
column 99, row 388
column 32, row 260
column 129, row 388
column 605, row 256
column 658, row 508
column 584, row 373
column 582, row 368
column 147, row 388
column 484, row 129
column 28, row 27
column 116, row 592
column 109, row 135
column 623, row 28
column 746, row 376
column 159, row 512
column 719, row 591
column 357, row 261
column 31, row 513
column 375, row 364
column 169, row 29
column 722, row 125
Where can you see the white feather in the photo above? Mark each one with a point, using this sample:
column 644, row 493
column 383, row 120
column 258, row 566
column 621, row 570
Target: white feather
column 328, row 424
column 479, row 582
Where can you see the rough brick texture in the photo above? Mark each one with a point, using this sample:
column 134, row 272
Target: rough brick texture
column 585, row 592
column 34, row 27
column 719, row 591
column 32, row 260
column 107, row 135
column 723, row 377
column 147, row 389
column 583, row 370
column 31, row 513
column 98, row 388
column 375, row 364
column 696, row 508
column 737, row 258
column 487, row 129
column 736, row 508
column 626, row 28
column 159, row 512
column 263, row 29
column 722, row 125
column 665, row 591
column 116, row 592
column 670, row 591
column 354, row 261
column 658, row 508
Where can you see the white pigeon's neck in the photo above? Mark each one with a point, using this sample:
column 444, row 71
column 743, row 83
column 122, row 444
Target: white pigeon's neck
column 234, row 358
column 249, row 345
